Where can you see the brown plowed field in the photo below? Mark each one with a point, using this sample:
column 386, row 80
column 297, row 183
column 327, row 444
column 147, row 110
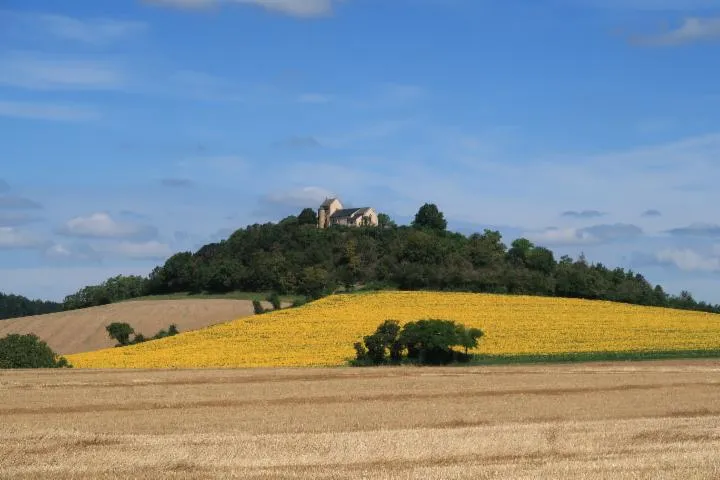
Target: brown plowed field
column 84, row 330
column 594, row 421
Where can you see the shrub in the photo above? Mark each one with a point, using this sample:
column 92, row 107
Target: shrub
column 425, row 341
column 257, row 306
column 275, row 301
column 120, row 332
column 28, row 351
column 299, row 302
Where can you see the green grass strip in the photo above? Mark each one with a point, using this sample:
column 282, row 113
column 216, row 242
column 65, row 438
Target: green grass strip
column 579, row 357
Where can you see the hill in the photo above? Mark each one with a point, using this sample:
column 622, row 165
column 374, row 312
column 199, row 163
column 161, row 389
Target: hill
column 13, row 306
column 322, row 333
column 84, row 330
column 295, row 257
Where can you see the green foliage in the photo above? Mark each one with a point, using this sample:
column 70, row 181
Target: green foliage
column 427, row 342
column 13, row 306
column 120, row 332
column 275, row 301
column 430, row 217
column 113, row 290
column 289, row 258
column 28, row 351
column 307, row 217
column 298, row 302
column 257, row 307
column 384, row 221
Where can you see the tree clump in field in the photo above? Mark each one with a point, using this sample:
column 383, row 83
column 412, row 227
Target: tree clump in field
column 121, row 332
column 28, row 351
column 425, row 342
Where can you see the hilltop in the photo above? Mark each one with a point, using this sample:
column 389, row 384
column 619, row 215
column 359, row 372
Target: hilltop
column 295, row 257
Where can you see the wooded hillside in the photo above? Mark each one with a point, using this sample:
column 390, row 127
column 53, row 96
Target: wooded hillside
column 294, row 256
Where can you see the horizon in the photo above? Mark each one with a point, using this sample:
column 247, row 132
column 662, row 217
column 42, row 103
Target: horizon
column 140, row 129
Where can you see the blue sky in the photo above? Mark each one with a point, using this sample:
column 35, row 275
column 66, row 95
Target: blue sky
column 130, row 130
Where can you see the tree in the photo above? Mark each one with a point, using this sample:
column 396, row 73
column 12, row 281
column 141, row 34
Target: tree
column 426, row 342
column 384, row 221
column 307, row 217
column 275, row 301
column 28, row 351
column 120, row 332
column 430, row 217
column 257, row 307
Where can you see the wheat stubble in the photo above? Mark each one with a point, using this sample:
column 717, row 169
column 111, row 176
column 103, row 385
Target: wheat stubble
column 614, row 420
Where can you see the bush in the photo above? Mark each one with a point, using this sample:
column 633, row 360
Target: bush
column 427, row 342
column 257, row 306
column 275, row 301
column 28, row 351
column 299, row 302
column 120, row 332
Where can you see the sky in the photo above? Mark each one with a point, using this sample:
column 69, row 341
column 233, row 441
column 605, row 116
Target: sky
column 131, row 130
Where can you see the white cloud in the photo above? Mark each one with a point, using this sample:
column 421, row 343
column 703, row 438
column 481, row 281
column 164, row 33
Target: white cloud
column 33, row 71
column 151, row 250
column 562, row 236
column 102, row 225
column 689, row 260
column 12, row 238
column 296, row 8
column 693, row 29
column 72, row 253
column 46, row 111
column 595, row 234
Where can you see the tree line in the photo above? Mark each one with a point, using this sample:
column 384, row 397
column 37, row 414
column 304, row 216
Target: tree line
column 12, row 306
column 294, row 257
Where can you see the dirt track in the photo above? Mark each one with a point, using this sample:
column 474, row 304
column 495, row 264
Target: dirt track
column 609, row 421
column 84, row 330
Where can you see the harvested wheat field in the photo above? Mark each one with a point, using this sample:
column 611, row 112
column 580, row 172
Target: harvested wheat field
column 83, row 330
column 593, row 421
column 322, row 333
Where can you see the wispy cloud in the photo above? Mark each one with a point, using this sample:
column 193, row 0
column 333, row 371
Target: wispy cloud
column 692, row 30
column 652, row 213
column 298, row 142
column 594, row 235
column 20, row 203
column 13, row 238
column 583, row 214
column 96, row 31
column 296, row 8
column 689, row 260
column 16, row 219
column 43, row 72
column 150, row 250
column 177, row 183
column 697, row 230
column 47, row 111
column 102, row 225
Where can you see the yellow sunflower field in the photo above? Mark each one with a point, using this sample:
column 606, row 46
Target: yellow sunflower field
column 322, row 333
